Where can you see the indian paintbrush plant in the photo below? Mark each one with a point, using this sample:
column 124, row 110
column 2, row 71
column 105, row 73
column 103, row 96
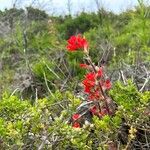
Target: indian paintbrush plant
column 96, row 83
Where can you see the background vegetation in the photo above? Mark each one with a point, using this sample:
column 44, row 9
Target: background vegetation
column 40, row 81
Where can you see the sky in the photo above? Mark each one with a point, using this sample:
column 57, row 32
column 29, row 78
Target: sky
column 60, row 6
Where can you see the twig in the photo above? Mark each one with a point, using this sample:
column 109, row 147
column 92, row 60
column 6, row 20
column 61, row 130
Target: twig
column 47, row 85
column 14, row 92
column 146, row 80
column 36, row 95
column 51, row 70
column 123, row 77
column 44, row 141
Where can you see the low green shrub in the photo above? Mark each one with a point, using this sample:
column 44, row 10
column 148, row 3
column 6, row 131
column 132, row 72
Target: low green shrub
column 25, row 126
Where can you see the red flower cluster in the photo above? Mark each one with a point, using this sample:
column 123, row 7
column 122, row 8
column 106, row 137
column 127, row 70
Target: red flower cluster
column 95, row 82
column 92, row 82
column 76, row 43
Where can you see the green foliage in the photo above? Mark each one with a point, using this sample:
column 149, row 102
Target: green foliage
column 39, row 41
column 12, row 108
column 74, row 59
column 36, row 14
column 127, row 96
column 6, row 78
column 47, row 73
column 131, row 107
column 12, row 14
column 145, row 97
column 97, row 37
column 22, row 124
column 131, row 103
column 79, row 24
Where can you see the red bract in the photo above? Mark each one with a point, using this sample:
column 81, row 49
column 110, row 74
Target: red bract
column 76, row 43
column 103, row 112
column 93, row 110
column 87, row 89
column 76, row 116
column 89, row 82
column 107, row 84
column 83, row 66
column 76, row 125
column 100, row 113
column 94, row 95
column 91, row 76
column 100, row 72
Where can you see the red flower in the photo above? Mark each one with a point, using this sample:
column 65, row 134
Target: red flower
column 76, row 125
column 76, row 116
column 107, row 84
column 77, row 42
